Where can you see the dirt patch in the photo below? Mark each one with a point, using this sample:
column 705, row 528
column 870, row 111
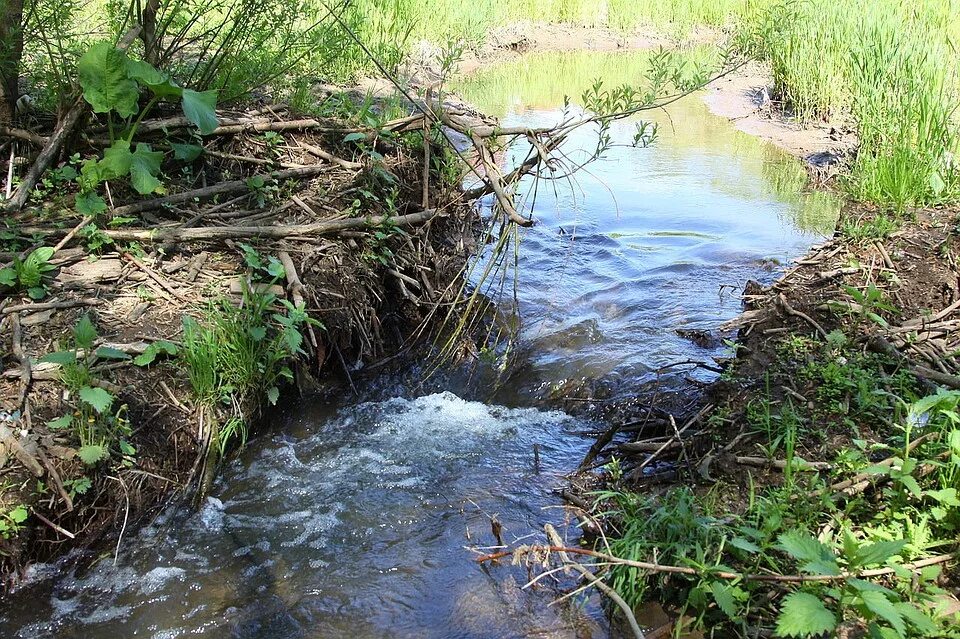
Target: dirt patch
column 744, row 97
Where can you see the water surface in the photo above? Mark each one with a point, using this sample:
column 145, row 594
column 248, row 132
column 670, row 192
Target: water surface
column 362, row 520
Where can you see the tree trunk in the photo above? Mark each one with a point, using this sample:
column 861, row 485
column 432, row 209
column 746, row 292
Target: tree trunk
column 11, row 51
column 148, row 20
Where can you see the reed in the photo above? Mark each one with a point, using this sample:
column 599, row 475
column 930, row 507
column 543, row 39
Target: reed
column 888, row 66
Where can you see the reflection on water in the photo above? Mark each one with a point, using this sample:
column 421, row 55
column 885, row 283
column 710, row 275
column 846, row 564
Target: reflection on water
column 351, row 521
column 647, row 241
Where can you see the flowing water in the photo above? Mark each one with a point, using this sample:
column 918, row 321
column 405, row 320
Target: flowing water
column 359, row 520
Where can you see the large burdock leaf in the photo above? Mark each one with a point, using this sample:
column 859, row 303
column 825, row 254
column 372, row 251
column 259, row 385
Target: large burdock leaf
column 200, row 109
column 106, row 86
column 116, row 161
column 157, row 81
column 144, row 167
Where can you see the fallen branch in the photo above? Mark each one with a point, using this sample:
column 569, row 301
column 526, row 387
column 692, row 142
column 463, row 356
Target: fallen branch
column 719, row 574
column 23, row 134
column 276, row 232
column 880, row 345
column 809, row 320
column 45, row 306
column 60, row 135
column 595, row 581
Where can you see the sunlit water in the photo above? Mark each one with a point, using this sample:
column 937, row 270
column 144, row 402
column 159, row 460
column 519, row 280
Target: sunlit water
column 355, row 520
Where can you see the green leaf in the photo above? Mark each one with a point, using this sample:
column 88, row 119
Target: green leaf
column 116, row 161
column 91, row 454
column 80, row 486
column 127, row 448
column 102, row 71
column 273, row 394
column 802, row 615
column 8, row 276
column 186, row 152
column 96, row 397
column 40, row 255
column 18, row 515
column 60, row 357
column 60, row 423
column 37, row 292
column 877, row 553
column 821, row 567
column 144, row 167
column 84, row 333
column 354, row 137
column 947, row 496
column 158, row 82
column 723, row 594
column 911, row 484
column 107, row 352
column 275, row 268
column 878, row 604
column 744, row 544
column 89, row 203
column 803, row 547
column 916, row 617
column 200, row 109
column 150, row 354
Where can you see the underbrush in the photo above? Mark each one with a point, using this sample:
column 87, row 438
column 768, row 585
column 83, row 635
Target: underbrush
column 855, row 547
column 237, row 359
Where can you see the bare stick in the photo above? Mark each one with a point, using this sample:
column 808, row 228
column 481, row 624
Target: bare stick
column 155, row 277
column 809, row 320
column 62, row 531
column 722, row 574
column 595, row 581
column 329, row 157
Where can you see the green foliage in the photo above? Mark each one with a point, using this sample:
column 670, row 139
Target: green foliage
column 867, row 304
column 263, row 190
column 154, row 350
column 891, row 67
column 877, row 228
column 100, row 431
column 798, row 527
column 29, row 274
column 804, row 615
column 111, row 83
column 236, row 358
column 11, row 521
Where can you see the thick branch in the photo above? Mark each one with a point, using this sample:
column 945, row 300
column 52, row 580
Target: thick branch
column 180, row 234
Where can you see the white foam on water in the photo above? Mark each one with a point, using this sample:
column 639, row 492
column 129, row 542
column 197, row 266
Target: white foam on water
column 160, row 577
column 288, row 512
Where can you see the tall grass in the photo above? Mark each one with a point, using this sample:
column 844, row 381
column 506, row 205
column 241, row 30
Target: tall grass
column 891, row 66
column 440, row 20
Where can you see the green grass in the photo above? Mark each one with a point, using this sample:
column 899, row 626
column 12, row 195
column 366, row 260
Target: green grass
column 890, row 66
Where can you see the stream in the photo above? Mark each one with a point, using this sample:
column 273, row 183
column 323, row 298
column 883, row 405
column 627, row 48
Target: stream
column 357, row 520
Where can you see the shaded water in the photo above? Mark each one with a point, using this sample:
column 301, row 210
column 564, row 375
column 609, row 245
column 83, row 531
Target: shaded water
column 351, row 520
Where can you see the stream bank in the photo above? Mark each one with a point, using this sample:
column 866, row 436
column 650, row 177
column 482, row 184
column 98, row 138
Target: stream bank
column 335, row 254
column 843, row 365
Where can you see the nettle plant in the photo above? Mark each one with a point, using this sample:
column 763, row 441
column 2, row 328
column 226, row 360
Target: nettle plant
column 112, row 83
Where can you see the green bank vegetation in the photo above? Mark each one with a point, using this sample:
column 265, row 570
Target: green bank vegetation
column 834, row 544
